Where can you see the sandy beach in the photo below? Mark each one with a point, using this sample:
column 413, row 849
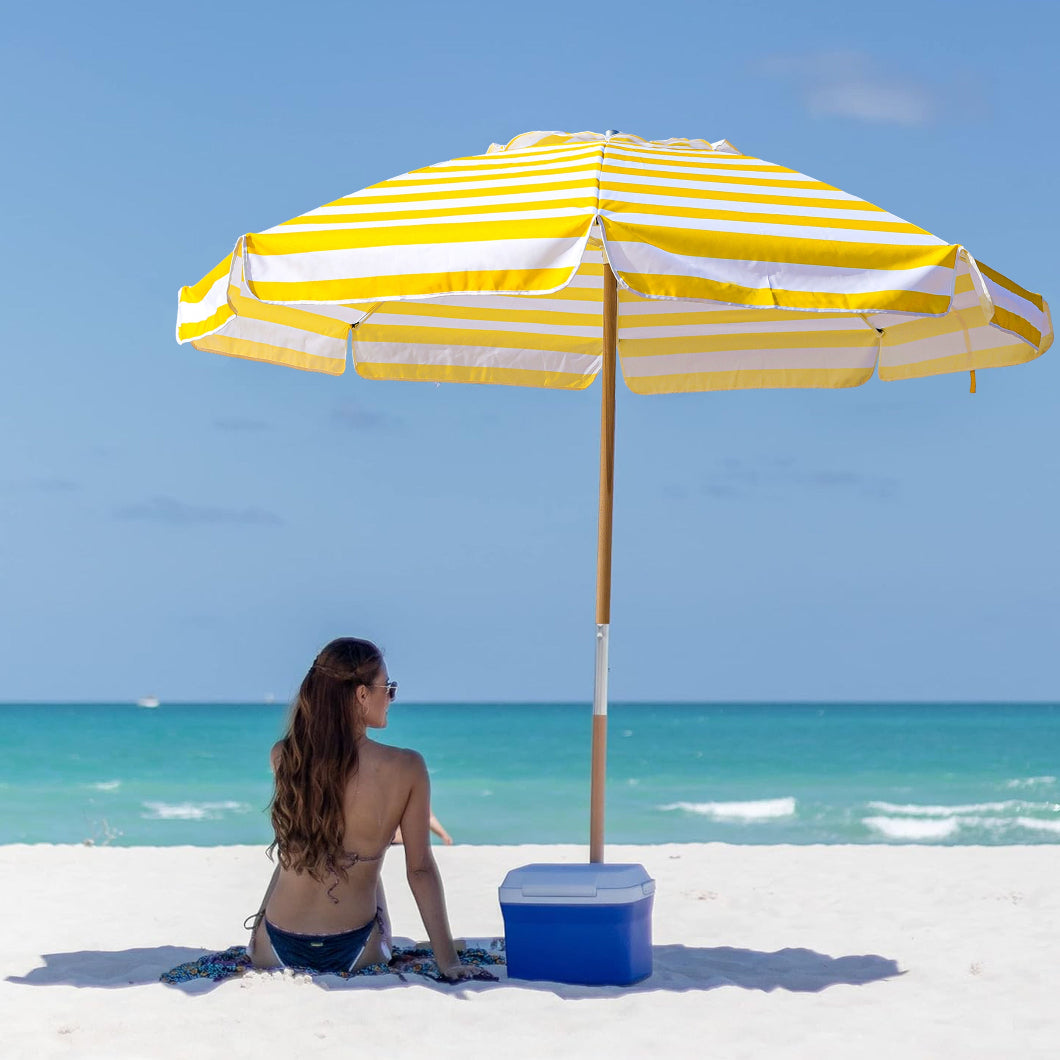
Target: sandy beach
column 759, row 951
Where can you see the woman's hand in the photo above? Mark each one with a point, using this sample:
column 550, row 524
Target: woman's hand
column 455, row 972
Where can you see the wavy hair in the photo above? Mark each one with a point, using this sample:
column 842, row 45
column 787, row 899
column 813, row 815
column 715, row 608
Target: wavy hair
column 317, row 756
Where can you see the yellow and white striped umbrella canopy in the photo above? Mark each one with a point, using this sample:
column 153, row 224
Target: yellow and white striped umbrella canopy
column 733, row 273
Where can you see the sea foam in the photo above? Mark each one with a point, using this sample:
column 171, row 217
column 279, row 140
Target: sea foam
column 1034, row 824
column 918, row 810
column 757, row 810
column 191, row 811
column 912, row 828
column 1007, row 806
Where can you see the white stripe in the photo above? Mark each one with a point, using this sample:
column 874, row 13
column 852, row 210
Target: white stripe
column 730, row 206
column 1014, row 303
column 546, row 151
column 519, row 153
column 690, row 172
column 748, row 360
column 504, row 303
column 650, row 154
column 633, row 305
column 248, row 329
column 615, row 186
column 417, row 258
column 492, row 163
column 753, row 327
column 760, row 228
column 929, row 279
column 401, row 206
column 442, row 324
column 215, row 297
column 895, row 352
column 449, row 182
column 413, row 222
column 475, row 357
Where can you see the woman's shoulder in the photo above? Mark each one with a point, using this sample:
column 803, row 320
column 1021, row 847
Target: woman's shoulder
column 399, row 757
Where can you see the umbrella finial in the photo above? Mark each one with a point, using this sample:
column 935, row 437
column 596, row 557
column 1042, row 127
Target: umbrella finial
column 611, row 132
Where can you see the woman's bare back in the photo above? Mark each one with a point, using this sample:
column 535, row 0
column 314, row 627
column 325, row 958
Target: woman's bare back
column 375, row 799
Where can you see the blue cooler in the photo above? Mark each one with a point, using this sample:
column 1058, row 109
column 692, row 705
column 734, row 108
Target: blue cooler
column 588, row 924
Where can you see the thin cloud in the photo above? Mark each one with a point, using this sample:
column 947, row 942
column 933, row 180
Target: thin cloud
column 736, row 478
column 358, row 418
column 854, row 84
column 172, row 512
column 46, row 484
column 241, row 423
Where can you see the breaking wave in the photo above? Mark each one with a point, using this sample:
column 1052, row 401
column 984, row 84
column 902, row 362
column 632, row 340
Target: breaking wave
column 756, row 810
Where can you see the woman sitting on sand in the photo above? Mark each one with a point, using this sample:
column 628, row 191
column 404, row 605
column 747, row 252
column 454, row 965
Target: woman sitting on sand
column 339, row 799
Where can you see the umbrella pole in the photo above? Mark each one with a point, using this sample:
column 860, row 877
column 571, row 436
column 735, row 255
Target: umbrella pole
column 598, row 772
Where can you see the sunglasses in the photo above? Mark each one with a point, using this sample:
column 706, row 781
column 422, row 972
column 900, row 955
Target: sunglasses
column 391, row 689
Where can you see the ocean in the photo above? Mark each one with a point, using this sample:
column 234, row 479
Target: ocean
column 955, row 773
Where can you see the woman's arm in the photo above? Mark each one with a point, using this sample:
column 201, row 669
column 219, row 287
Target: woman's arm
column 259, row 949
column 425, row 881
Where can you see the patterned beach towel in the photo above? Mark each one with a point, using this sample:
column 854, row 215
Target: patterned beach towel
column 414, row 960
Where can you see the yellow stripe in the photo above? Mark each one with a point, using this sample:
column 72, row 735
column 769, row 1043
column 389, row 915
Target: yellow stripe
column 582, row 295
column 478, row 165
column 424, row 284
column 1009, row 285
column 714, row 317
column 470, row 193
column 735, row 196
column 198, row 291
column 409, row 335
column 685, row 287
column 725, row 178
column 757, row 379
column 437, row 373
column 278, row 243
column 289, row 316
column 798, row 340
column 692, row 161
column 480, row 179
column 191, row 330
column 585, row 203
column 760, row 218
column 262, row 351
column 697, row 163
column 1010, row 322
column 743, row 246
column 998, row 357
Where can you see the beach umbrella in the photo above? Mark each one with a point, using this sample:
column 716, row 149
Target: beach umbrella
column 553, row 258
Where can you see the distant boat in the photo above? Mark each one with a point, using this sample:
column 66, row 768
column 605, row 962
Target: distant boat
column 147, row 701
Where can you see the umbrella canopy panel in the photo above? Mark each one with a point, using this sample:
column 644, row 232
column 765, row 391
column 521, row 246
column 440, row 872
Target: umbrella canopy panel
column 733, row 273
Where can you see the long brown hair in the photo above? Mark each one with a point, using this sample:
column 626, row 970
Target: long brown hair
column 317, row 756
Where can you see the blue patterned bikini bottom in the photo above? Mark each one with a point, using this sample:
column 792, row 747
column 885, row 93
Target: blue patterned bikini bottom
column 320, row 953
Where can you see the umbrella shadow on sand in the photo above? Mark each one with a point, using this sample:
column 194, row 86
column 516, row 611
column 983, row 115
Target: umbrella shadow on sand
column 676, row 968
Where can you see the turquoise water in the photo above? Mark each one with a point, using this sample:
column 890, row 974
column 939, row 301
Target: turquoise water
column 518, row 773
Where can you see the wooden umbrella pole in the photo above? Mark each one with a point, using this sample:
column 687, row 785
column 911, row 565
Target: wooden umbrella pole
column 598, row 773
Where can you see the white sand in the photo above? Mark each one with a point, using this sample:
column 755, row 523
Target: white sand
column 759, row 952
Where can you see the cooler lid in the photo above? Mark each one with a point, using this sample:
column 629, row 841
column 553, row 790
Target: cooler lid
column 591, row 884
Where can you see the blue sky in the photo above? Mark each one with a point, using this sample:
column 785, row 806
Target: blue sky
column 182, row 524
